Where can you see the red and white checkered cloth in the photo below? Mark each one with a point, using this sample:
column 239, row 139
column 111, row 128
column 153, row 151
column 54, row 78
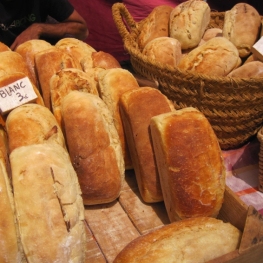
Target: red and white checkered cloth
column 242, row 173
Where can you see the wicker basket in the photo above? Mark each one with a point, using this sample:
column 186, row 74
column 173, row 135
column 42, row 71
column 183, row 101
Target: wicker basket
column 233, row 106
column 260, row 164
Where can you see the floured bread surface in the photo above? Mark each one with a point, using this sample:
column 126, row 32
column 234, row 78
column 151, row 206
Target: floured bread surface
column 10, row 248
column 216, row 57
column 190, row 164
column 112, row 83
column 191, row 240
column 48, row 203
column 64, row 81
column 188, row 22
column 137, row 107
column 242, row 24
column 32, row 124
column 94, row 147
column 156, row 25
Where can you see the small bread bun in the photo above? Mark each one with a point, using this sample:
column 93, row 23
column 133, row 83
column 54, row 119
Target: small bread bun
column 242, row 27
column 217, row 57
column 188, row 22
column 211, row 33
column 253, row 69
column 165, row 50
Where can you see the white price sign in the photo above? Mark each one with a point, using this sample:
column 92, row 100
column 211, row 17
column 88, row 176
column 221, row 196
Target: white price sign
column 16, row 94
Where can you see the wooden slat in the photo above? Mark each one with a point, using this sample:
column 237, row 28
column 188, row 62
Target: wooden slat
column 111, row 228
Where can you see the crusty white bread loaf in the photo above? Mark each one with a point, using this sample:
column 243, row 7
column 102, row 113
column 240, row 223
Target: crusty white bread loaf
column 253, row 69
column 216, row 57
column 190, row 164
column 28, row 50
column 48, row 203
column 156, row 25
column 64, row 81
column 75, row 47
column 137, row 107
column 32, row 124
column 164, row 50
column 10, row 249
column 242, row 24
column 94, row 147
column 112, row 83
column 47, row 63
column 195, row 240
column 188, row 22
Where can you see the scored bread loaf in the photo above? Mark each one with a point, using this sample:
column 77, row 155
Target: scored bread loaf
column 216, row 57
column 242, row 24
column 195, row 240
column 10, row 249
column 94, row 147
column 112, row 83
column 48, row 203
column 64, row 81
column 188, row 22
column 156, row 25
column 137, row 107
column 190, row 164
column 32, row 124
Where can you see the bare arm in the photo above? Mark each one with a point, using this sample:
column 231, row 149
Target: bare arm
column 73, row 26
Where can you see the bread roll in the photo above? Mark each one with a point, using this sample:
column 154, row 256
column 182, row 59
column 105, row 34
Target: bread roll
column 242, row 24
column 32, row 124
column 211, row 33
column 64, row 81
column 156, row 25
column 112, row 83
column 165, row 50
column 137, row 107
column 94, row 147
column 217, row 57
column 28, row 50
column 48, row 204
column 10, row 249
column 4, row 47
column 190, row 164
column 253, row 69
column 47, row 63
column 188, row 22
column 191, row 240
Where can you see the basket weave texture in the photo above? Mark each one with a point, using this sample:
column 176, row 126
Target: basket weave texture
column 260, row 164
column 233, row 106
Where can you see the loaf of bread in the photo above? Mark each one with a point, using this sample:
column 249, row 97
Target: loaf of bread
column 242, row 24
column 47, row 63
column 112, row 83
column 156, row 25
column 64, row 81
column 10, row 249
column 195, row 240
column 48, row 204
column 4, row 47
column 211, row 33
column 216, row 57
column 253, row 69
column 164, row 50
column 190, row 164
column 188, row 22
column 137, row 107
column 94, row 147
column 28, row 50
column 32, row 124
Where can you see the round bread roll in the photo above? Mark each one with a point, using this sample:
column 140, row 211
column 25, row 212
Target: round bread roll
column 211, row 33
column 242, row 27
column 253, row 69
column 217, row 57
column 195, row 240
column 165, row 50
column 188, row 22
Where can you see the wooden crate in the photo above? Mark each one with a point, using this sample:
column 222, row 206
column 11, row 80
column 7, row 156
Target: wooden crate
column 112, row 226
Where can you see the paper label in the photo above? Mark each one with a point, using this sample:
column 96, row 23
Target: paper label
column 16, row 94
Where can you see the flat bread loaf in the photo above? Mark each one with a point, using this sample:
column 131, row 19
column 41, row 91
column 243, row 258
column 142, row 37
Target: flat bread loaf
column 190, row 164
column 195, row 240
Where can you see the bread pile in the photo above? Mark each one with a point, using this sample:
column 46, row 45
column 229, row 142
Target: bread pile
column 191, row 45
